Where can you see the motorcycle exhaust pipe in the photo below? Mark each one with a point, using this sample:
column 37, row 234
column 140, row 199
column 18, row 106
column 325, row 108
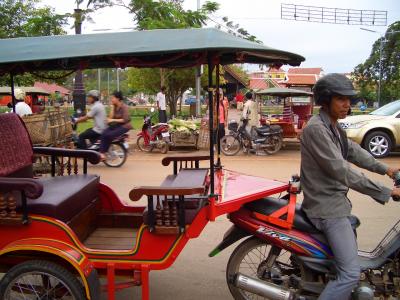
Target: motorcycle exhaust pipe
column 262, row 288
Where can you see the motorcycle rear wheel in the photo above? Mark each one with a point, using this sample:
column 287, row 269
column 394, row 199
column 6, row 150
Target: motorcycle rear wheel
column 275, row 146
column 142, row 147
column 230, row 145
column 248, row 258
column 164, row 148
column 116, row 155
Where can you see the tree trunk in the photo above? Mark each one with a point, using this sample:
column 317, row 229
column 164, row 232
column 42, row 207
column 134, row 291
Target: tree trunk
column 180, row 103
column 162, row 77
column 172, row 104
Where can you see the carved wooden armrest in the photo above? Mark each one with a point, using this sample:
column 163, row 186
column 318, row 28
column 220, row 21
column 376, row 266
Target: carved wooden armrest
column 71, row 165
column 192, row 162
column 166, row 207
column 27, row 187
column 31, row 187
column 136, row 193
column 91, row 156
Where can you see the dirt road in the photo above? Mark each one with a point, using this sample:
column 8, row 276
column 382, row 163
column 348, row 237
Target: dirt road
column 195, row 276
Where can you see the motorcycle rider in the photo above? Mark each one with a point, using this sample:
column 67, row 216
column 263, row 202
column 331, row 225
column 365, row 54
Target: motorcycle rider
column 326, row 177
column 98, row 114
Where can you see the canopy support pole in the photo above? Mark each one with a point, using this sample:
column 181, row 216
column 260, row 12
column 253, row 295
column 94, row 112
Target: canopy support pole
column 12, row 91
column 218, row 165
column 211, row 122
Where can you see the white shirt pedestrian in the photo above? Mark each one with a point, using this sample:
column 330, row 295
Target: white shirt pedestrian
column 22, row 109
column 161, row 101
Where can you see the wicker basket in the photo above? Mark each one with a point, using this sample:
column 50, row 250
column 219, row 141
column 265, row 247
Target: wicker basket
column 204, row 136
column 60, row 124
column 39, row 128
column 185, row 139
column 52, row 127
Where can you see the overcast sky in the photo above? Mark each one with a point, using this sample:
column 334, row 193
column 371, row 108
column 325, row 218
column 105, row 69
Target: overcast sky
column 335, row 48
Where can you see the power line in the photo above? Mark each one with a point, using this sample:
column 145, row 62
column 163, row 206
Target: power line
column 333, row 15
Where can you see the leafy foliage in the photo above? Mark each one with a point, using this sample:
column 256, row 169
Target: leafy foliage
column 22, row 19
column 149, row 14
column 236, row 30
column 367, row 73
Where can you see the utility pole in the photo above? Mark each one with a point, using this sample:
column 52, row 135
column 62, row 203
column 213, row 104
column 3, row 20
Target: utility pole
column 99, row 79
column 198, row 81
column 78, row 93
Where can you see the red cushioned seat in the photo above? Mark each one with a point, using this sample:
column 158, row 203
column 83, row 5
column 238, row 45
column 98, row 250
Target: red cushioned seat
column 65, row 197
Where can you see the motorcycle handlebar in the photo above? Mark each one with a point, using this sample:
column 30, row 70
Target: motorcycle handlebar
column 396, row 184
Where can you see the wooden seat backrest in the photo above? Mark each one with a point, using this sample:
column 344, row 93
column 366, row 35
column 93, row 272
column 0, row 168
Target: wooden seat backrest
column 16, row 147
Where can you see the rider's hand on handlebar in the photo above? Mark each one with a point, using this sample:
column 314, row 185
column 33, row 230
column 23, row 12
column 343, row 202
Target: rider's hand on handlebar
column 396, row 194
column 391, row 172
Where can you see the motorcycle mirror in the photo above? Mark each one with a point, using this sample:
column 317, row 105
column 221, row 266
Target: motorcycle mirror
column 152, row 109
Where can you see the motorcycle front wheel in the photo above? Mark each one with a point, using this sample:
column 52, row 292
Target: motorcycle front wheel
column 142, row 146
column 250, row 259
column 230, row 145
column 274, row 144
column 116, row 155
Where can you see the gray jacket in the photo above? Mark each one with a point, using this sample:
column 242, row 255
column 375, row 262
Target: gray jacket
column 326, row 173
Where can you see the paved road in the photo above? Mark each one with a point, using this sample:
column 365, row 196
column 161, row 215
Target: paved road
column 195, row 276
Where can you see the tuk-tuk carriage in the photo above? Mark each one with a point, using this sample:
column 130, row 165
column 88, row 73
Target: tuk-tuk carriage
column 297, row 109
column 35, row 97
column 60, row 234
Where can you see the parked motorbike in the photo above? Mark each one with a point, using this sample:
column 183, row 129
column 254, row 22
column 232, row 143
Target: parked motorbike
column 153, row 136
column 117, row 153
column 282, row 263
column 265, row 138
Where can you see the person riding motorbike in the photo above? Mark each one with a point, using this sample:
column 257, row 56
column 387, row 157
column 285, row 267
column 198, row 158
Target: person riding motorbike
column 326, row 176
column 119, row 122
column 98, row 114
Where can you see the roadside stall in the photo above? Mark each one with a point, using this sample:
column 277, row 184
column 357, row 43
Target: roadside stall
column 36, row 97
column 296, row 111
column 69, row 231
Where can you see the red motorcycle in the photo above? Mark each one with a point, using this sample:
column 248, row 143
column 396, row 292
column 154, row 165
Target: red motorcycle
column 153, row 136
column 286, row 257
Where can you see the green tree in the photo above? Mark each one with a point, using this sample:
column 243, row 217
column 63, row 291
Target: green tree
column 367, row 74
column 24, row 18
column 149, row 14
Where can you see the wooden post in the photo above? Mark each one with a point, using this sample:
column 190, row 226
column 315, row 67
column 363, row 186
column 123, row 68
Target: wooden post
column 218, row 137
column 12, row 91
column 211, row 122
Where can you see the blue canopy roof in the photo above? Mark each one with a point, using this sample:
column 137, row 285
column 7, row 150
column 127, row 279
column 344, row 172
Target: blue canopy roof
column 168, row 48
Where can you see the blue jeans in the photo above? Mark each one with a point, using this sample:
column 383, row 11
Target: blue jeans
column 342, row 240
column 109, row 135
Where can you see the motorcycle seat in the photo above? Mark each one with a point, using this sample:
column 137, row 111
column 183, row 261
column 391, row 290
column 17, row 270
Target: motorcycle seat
column 159, row 125
column 268, row 129
column 269, row 205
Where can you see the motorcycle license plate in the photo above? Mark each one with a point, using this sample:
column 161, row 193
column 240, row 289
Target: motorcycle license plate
column 126, row 145
column 165, row 134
